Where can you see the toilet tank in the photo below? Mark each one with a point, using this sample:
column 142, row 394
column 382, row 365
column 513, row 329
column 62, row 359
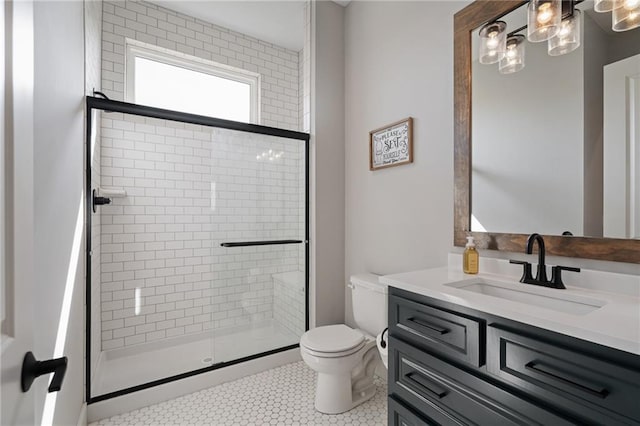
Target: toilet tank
column 369, row 303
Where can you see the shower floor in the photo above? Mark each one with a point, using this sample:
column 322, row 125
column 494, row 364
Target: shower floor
column 123, row 368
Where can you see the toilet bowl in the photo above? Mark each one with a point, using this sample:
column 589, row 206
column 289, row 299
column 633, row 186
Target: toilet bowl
column 345, row 358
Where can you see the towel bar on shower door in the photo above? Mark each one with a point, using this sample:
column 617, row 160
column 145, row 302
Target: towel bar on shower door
column 259, row 243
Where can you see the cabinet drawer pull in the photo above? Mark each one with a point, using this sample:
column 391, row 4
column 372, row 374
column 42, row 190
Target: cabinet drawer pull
column 426, row 385
column 575, row 383
column 429, row 326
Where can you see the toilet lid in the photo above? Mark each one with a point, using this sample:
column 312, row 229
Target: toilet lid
column 331, row 338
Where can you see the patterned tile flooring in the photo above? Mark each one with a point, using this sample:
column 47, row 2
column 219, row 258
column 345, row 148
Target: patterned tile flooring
column 281, row 396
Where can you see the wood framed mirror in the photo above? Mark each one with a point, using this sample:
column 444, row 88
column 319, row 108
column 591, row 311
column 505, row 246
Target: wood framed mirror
column 466, row 22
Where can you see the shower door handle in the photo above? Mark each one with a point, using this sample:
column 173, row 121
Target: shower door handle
column 259, row 243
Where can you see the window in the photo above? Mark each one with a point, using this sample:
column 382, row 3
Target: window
column 165, row 79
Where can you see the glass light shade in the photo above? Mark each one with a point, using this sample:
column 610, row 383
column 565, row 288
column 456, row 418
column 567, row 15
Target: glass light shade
column 627, row 16
column 493, row 38
column 513, row 60
column 543, row 19
column 606, row 5
column 568, row 38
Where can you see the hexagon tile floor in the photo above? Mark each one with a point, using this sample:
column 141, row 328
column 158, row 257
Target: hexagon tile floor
column 281, row 396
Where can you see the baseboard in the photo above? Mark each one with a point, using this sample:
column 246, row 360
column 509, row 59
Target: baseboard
column 82, row 418
column 133, row 401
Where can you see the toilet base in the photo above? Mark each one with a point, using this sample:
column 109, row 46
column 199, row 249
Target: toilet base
column 334, row 393
column 348, row 383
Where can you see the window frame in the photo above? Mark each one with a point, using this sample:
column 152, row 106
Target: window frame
column 135, row 49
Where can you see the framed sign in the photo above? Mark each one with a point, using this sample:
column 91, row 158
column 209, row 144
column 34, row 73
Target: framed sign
column 391, row 145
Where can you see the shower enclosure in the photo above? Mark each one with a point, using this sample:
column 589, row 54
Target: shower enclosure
column 197, row 244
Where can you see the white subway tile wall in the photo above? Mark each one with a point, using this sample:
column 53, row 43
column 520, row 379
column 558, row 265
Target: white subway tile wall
column 188, row 189
column 288, row 306
column 149, row 23
column 305, row 76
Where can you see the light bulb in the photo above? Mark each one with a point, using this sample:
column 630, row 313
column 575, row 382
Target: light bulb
column 492, row 42
column 514, row 55
column 568, row 39
column 544, row 13
column 543, row 19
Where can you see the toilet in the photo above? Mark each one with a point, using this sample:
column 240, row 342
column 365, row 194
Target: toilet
column 346, row 358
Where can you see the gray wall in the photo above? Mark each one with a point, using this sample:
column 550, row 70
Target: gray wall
column 59, row 209
column 399, row 63
column 328, row 166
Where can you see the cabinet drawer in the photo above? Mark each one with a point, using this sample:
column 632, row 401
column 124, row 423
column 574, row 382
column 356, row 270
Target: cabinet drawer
column 563, row 377
column 443, row 391
column 400, row 415
column 438, row 330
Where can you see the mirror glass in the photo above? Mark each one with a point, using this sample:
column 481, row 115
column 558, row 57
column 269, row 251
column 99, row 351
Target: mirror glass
column 556, row 146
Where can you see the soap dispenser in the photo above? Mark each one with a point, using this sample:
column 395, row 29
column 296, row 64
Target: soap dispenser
column 471, row 258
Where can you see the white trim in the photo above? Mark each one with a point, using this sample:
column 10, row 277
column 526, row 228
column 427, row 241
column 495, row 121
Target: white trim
column 82, row 418
column 3, row 188
column 135, row 48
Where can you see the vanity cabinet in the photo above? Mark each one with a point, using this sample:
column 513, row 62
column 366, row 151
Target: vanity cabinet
column 449, row 364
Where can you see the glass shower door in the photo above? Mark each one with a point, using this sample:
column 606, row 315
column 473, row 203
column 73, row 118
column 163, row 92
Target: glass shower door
column 259, row 241
column 198, row 245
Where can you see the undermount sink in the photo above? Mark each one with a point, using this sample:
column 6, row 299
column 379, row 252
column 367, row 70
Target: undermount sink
column 552, row 299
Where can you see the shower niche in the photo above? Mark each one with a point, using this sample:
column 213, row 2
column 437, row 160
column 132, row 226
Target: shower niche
column 197, row 244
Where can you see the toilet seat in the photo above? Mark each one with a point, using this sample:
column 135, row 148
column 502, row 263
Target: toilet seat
column 332, row 341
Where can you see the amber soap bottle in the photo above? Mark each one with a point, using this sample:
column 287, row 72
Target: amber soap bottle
column 471, row 258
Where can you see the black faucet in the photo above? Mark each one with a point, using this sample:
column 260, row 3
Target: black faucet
column 541, row 272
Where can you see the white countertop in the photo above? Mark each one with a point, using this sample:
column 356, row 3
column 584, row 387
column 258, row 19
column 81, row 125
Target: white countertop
column 616, row 324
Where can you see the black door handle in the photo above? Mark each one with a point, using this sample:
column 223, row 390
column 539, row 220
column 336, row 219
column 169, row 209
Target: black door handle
column 576, row 383
column 425, row 384
column 432, row 328
column 32, row 368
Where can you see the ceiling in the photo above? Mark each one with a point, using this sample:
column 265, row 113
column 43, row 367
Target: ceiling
column 277, row 22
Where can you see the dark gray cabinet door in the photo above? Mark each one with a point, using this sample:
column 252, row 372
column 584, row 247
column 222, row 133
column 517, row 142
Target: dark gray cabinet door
column 562, row 376
column 438, row 330
column 401, row 415
column 443, row 391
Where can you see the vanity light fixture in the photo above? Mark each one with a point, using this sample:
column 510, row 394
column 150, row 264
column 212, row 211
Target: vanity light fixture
column 626, row 16
column 513, row 60
column 553, row 20
column 493, row 38
column 543, row 19
column 568, row 38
